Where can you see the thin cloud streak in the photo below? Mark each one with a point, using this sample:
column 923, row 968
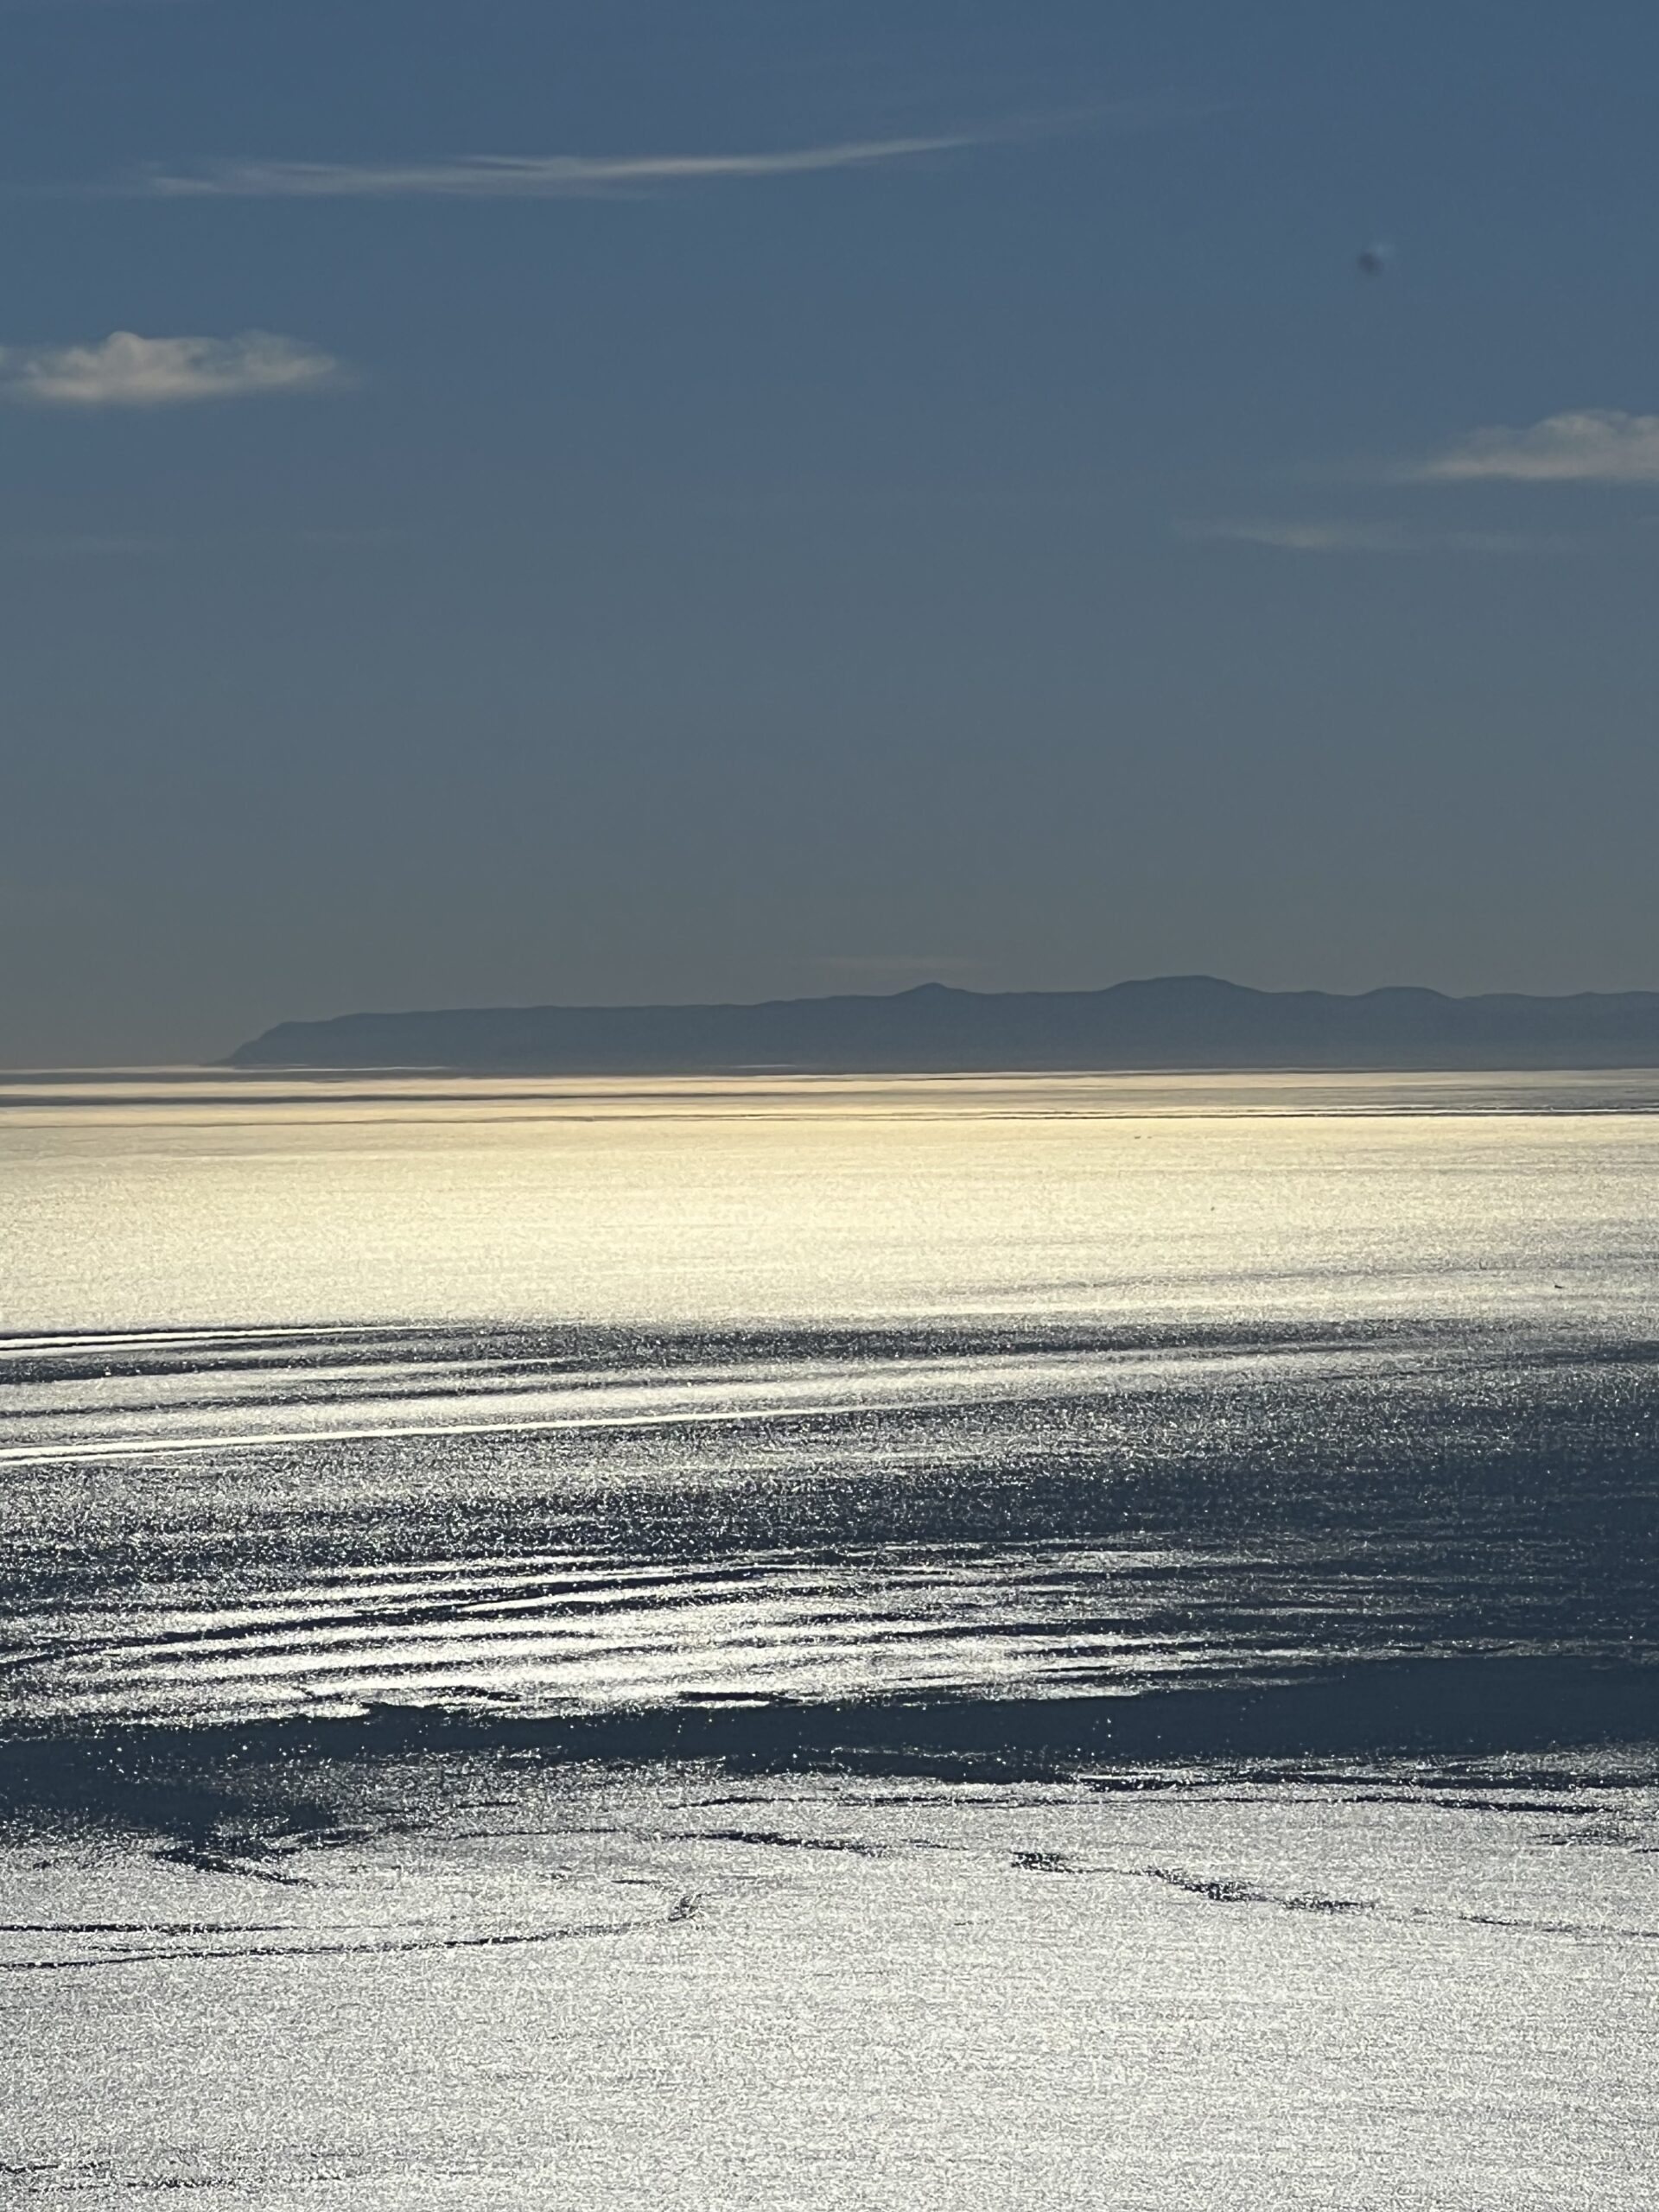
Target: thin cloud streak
column 1589, row 445
column 587, row 176
column 1336, row 537
column 124, row 370
column 507, row 176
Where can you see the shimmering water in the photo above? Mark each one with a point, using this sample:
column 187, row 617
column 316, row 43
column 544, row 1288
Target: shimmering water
column 402, row 1482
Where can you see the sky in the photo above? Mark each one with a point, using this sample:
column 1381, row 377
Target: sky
column 626, row 500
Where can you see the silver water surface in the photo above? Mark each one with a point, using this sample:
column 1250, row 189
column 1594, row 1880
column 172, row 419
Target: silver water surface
column 554, row 1636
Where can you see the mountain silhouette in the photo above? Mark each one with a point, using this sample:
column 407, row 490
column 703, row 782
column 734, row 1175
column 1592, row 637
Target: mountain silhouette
column 1168, row 1022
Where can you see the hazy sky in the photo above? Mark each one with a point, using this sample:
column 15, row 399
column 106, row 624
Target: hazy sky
column 672, row 499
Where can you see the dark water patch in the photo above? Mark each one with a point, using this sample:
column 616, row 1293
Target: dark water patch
column 387, row 1947
column 1590, row 1930
column 1131, row 1546
column 1220, row 1890
column 776, row 1837
column 248, row 1863
column 1230, row 1890
column 139, row 1928
column 238, row 1790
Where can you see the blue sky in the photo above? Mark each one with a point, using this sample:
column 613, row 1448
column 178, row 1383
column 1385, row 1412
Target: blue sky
column 539, row 499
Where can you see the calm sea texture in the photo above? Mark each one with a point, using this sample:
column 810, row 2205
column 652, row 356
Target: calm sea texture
column 1039, row 1642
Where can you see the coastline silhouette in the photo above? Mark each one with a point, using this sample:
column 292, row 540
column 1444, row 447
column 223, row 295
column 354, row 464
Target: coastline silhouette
column 1169, row 1022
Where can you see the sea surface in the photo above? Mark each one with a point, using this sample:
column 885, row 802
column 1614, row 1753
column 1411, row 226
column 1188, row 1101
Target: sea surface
column 1071, row 1641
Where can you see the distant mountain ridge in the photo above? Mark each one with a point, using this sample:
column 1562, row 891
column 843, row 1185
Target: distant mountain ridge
column 1166, row 1022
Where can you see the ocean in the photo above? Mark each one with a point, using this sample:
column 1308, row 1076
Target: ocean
column 1069, row 1641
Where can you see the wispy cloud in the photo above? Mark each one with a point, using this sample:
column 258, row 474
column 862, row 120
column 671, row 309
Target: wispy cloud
column 124, row 370
column 1296, row 537
column 577, row 176
column 1293, row 536
column 1593, row 445
column 526, row 177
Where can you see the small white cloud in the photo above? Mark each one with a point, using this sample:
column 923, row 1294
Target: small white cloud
column 1594, row 446
column 1293, row 537
column 124, row 370
column 531, row 176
